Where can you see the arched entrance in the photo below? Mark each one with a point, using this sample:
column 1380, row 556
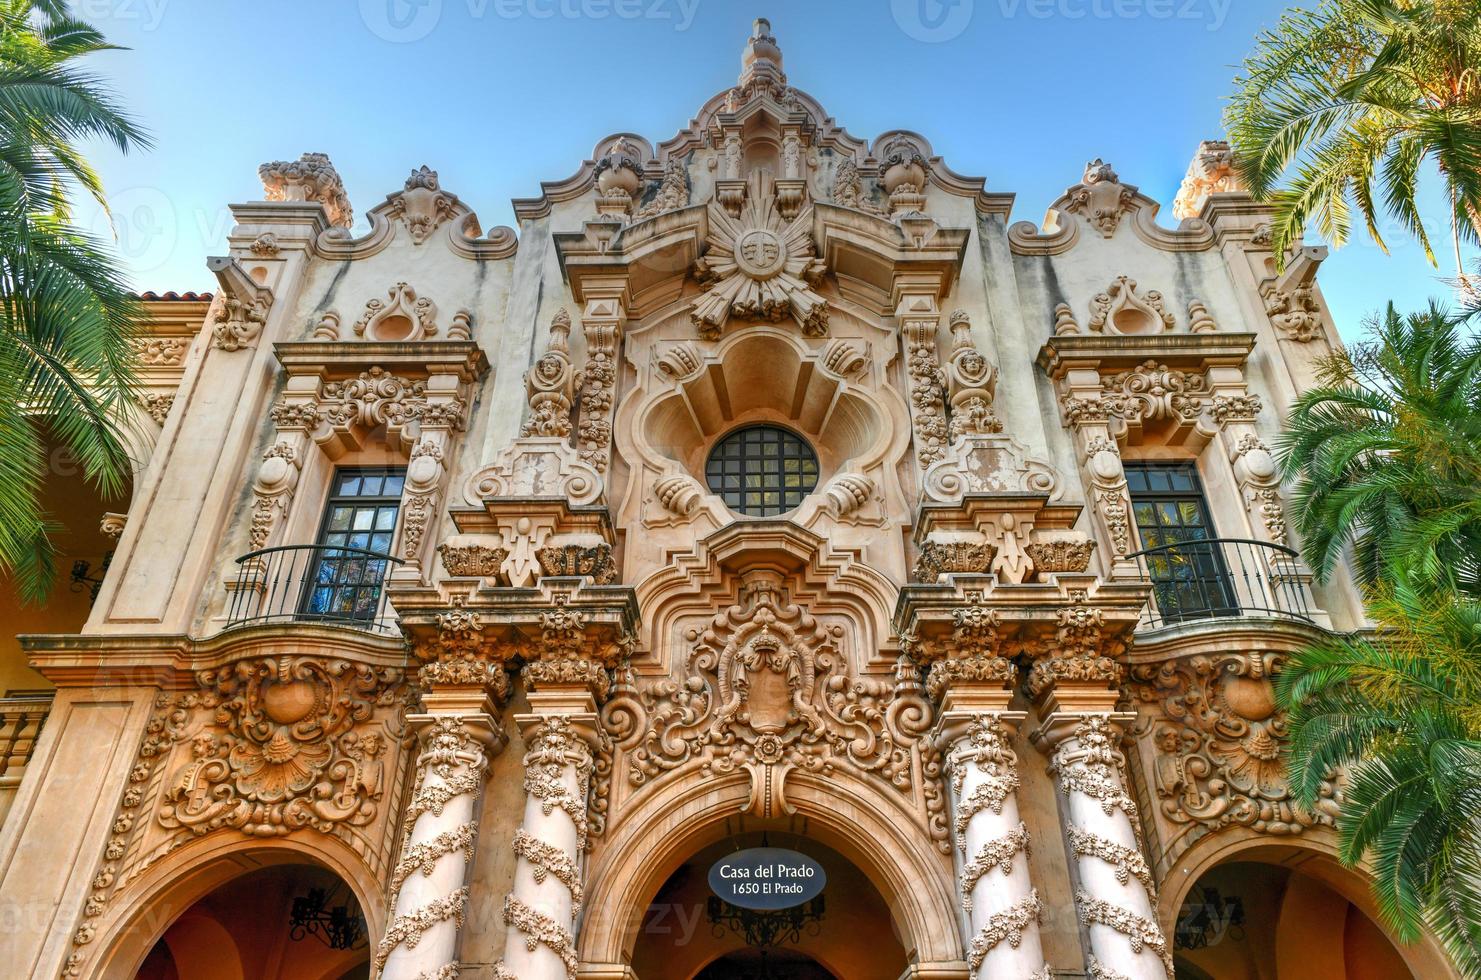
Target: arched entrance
column 1263, row 911
column 285, row 922
column 682, row 937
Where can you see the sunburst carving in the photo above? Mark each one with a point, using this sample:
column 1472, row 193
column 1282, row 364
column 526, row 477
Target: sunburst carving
column 759, row 266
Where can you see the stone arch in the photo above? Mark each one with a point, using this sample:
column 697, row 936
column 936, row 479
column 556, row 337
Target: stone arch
column 680, row 816
column 1314, row 854
column 152, row 902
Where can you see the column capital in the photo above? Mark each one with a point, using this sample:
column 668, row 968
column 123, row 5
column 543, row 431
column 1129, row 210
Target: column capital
column 1096, row 732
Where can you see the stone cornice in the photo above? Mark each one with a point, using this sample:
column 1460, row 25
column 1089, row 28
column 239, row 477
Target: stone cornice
column 171, row 660
column 308, row 357
column 1117, row 352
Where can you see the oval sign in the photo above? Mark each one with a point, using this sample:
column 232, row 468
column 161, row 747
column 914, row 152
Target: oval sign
column 767, row 878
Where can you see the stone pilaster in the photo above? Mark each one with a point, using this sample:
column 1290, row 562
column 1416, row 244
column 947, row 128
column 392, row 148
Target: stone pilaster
column 458, row 733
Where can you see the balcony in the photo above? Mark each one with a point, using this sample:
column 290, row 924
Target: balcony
column 311, row 584
column 1221, row 578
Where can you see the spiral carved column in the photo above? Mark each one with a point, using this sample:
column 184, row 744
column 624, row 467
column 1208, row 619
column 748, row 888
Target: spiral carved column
column 1114, row 891
column 542, row 908
column 997, row 895
column 429, row 884
column 463, row 676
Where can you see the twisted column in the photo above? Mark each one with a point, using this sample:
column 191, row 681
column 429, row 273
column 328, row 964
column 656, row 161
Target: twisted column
column 1114, row 891
column 429, row 883
column 541, row 909
column 997, row 895
column 462, row 673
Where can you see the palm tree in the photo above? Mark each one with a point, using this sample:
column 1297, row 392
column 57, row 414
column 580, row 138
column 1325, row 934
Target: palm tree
column 1400, row 715
column 66, row 315
column 1354, row 100
column 1385, row 454
column 1386, row 457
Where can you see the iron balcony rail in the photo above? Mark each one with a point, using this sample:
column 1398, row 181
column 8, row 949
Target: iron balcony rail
column 1222, row 577
column 311, row 583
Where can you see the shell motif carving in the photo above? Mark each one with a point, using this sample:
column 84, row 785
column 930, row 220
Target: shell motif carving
column 1219, row 739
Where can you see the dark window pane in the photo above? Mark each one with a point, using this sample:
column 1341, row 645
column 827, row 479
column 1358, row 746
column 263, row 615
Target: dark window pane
column 762, row 470
column 1187, row 570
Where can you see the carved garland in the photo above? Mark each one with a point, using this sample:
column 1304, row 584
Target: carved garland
column 1008, row 925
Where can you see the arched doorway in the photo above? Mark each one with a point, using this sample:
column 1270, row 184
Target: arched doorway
column 681, row 937
column 1252, row 917
column 284, row 922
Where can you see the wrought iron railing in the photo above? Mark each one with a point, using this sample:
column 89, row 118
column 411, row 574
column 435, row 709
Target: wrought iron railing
column 1223, row 577
column 311, row 584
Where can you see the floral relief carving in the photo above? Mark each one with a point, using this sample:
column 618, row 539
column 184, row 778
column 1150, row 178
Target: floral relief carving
column 1219, row 739
column 1141, row 932
column 765, row 688
column 673, row 192
column 476, row 560
column 1154, row 392
column 160, row 351
column 938, row 558
column 602, row 326
column 927, row 381
column 849, row 190
column 157, row 406
column 1211, row 172
column 287, row 747
column 759, row 265
column 309, row 178
column 1006, row 926
column 594, row 562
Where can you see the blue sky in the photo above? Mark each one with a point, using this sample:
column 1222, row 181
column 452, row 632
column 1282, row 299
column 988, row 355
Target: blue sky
column 497, row 95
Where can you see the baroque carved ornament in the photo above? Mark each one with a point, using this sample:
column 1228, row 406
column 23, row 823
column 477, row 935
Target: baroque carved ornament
column 1219, row 741
column 765, row 688
column 759, row 265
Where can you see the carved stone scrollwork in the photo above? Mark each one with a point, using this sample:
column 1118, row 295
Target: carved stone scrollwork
column 402, row 315
column 1296, row 314
column 241, row 308
column 549, row 384
column 938, row 558
column 903, row 171
column 766, row 689
column 1122, row 310
column 1101, row 198
column 1211, row 172
column 422, row 204
column 478, row 560
column 988, row 463
column 283, row 743
column 602, row 324
column 759, row 265
column 594, row 562
column 1078, row 654
column 1219, row 740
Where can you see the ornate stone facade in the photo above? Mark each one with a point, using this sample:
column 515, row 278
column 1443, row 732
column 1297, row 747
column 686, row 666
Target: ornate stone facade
column 578, row 666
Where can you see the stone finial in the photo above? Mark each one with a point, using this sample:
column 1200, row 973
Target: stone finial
column 309, row 178
column 1211, row 172
column 761, row 53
